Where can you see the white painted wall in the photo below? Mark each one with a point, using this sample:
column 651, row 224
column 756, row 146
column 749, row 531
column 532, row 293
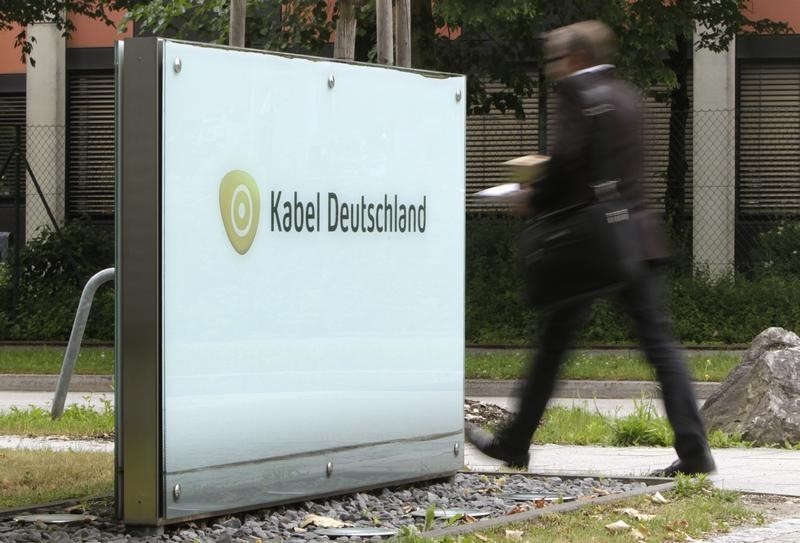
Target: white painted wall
column 714, row 159
column 46, row 133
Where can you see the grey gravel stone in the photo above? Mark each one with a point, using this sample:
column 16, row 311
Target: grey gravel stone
column 233, row 523
column 390, row 507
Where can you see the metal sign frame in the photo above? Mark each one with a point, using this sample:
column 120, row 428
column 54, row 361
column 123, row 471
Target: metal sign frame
column 141, row 482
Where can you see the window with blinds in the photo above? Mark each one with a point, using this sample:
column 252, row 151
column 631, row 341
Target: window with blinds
column 769, row 139
column 90, row 144
column 496, row 137
column 12, row 115
column 655, row 150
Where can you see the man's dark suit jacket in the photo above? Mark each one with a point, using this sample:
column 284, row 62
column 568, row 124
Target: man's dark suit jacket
column 586, row 152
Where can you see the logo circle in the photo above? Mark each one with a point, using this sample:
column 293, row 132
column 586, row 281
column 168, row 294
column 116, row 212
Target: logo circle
column 241, row 209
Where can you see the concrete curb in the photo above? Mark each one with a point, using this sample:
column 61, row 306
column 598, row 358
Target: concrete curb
column 473, row 387
column 584, row 389
column 48, row 383
column 621, row 351
column 495, row 522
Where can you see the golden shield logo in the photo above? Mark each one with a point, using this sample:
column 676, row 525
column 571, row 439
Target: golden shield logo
column 239, row 204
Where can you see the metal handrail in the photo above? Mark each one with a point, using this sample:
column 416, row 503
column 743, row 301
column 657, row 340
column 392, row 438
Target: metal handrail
column 74, row 345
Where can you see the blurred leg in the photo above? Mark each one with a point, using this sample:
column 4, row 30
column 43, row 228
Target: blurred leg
column 645, row 302
column 559, row 326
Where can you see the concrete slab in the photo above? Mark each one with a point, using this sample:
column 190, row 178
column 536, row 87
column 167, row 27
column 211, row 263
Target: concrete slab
column 769, row 471
column 783, row 531
column 55, row 444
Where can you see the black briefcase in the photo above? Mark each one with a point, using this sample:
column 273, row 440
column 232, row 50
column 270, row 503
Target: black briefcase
column 577, row 252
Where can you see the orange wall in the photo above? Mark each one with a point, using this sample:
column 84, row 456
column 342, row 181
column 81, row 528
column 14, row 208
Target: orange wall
column 92, row 33
column 88, row 33
column 10, row 62
column 777, row 10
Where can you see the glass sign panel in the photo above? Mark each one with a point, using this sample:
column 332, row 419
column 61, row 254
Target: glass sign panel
column 312, row 279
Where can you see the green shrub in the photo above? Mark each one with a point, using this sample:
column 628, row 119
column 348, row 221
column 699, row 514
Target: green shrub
column 778, row 250
column 53, row 271
column 734, row 310
column 705, row 310
column 494, row 309
column 5, row 301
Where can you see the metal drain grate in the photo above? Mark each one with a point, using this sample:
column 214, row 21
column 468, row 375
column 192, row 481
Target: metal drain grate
column 451, row 513
column 357, row 532
column 537, row 497
column 55, row 518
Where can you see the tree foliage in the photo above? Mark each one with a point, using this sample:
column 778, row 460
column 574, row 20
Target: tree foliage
column 26, row 12
column 300, row 26
column 500, row 39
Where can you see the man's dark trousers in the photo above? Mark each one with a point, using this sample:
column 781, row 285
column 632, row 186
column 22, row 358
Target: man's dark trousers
column 644, row 302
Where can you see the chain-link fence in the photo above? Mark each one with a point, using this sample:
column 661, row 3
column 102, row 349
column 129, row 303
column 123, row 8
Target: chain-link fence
column 44, row 259
column 744, row 198
column 726, row 182
column 32, row 179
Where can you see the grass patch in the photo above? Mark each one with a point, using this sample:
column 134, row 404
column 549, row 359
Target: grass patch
column 575, row 426
column 560, row 425
column 37, row 477
column 695, row 509
column 77, row 421
column 642, row 428
column 48, row 360
column 584, row 366
column 494, row 365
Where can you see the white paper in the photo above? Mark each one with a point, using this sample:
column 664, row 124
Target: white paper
column 499, row 191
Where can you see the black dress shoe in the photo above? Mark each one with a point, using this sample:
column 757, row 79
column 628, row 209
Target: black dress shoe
column 691, row 466
column 490, row 445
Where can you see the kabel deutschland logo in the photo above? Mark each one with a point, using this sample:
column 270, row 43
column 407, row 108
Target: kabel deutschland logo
column 239, row 204
column 314, row 212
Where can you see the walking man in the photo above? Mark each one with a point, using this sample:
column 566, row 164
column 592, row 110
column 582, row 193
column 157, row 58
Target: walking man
column 578, row 58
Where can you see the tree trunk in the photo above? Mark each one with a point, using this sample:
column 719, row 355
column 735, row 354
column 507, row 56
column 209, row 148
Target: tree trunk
column 383, row 14
column 403, row 33
column 236, row 30
column 345, row 45
column 677, row 167
column 423, row 34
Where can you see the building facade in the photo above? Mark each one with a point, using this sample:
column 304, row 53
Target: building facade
column 59, row 116
column 742, row 135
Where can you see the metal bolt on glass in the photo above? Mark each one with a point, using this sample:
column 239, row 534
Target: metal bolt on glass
column 458, row 95
column 331, row 81
column 177, row 65
column 329, row 469
column 176, row 492
column 456, row 448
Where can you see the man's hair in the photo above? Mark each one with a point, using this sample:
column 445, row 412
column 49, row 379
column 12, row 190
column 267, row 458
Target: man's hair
column 594, row 39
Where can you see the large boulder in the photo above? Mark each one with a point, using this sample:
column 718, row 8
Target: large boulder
column 760, row 399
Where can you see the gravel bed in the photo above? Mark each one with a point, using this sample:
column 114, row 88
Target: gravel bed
column 387, row 508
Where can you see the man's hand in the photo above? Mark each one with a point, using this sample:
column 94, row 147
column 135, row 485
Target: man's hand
column 520, row 201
